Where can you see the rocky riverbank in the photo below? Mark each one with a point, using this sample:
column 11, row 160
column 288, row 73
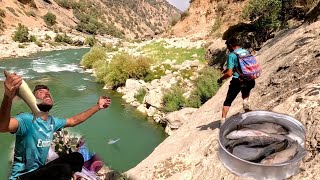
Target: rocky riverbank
column 10, row 48
column 175, row 74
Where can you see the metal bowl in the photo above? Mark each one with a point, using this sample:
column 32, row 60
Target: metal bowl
column 255, row 170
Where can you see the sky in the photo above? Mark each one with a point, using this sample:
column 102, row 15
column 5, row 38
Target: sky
column 180, row 4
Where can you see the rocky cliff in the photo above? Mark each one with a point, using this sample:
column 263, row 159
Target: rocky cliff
column 290, row 84
column 130, row 18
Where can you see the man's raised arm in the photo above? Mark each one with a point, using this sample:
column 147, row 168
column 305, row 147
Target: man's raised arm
column 11, row 86
column 103, row 103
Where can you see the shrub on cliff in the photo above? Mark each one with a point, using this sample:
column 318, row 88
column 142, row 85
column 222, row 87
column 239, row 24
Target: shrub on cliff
column 49, row 19
column 68, row 4
column 125, row 66
column 21, row 34
column 2, row 25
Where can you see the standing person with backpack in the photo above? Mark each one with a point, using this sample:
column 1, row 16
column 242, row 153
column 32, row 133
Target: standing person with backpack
column 243, row 68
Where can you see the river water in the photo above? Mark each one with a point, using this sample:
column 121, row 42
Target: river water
column 74, row 91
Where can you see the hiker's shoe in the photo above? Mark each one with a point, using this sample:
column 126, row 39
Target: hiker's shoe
column 222, row 121
column 246, row 106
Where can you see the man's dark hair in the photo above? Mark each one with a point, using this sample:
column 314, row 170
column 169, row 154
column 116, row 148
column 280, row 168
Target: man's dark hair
column 40, row 87
column 232, row 41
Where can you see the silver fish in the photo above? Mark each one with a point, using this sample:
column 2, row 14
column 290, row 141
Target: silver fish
column 113, row 141
column 267, row 127
column 256, row 154
column 281, row 156
column 252, row 141
column 237, row 134
column 25, row 93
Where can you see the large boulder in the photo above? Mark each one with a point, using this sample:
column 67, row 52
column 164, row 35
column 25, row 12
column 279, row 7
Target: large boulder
column 176, row 119
column 154, row 98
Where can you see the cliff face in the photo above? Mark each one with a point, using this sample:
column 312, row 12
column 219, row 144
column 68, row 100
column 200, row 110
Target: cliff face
column 290, row 84
column 209, row 17
column 133, row 18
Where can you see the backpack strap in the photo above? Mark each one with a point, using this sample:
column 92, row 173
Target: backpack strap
column 238, row 69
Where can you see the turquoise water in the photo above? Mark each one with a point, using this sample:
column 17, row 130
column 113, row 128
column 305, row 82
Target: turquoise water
column 74, row 91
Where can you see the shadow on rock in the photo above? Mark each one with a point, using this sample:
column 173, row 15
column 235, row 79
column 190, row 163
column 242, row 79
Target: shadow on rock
column 213, row 125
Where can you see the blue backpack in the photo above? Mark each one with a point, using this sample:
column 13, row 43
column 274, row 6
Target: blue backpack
column 248, row 69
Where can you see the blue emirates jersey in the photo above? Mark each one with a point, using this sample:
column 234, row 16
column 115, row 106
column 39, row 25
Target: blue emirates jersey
column 33, row 140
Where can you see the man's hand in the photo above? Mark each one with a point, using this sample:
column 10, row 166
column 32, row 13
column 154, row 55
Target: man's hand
column 104, row 102
column 11, row 85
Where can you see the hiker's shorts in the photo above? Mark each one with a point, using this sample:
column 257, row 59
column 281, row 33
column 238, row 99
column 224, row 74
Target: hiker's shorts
column 235, row 87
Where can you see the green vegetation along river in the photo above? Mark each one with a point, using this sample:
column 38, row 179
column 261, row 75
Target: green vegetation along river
column 73, row 91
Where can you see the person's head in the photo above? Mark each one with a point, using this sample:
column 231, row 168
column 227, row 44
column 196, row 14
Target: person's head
column 232, row 44
column 42, row 92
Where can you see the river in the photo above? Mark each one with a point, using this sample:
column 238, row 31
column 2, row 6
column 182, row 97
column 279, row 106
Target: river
column 74, row 91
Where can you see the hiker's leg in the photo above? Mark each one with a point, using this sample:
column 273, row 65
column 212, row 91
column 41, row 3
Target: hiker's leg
column 233, row 91
column 59, row 169
column 245, row 91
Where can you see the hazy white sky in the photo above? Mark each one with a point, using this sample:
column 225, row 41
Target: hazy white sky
column 180, row 4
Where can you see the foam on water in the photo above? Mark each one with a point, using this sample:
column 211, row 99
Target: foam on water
column 86, row 79
column 57, row 68
column 81, row 88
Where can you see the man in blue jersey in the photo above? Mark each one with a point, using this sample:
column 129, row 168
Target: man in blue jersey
column 237, row 83
column 33, row 137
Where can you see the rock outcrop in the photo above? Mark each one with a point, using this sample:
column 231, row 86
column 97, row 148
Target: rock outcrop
column 290, row 84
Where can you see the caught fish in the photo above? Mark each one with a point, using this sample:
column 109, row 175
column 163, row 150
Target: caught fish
column 256, row 154
column 25, row 93
column 237, row 134
column 252, row 141
column 267, row 127
column 281, row 156
column 113, row 141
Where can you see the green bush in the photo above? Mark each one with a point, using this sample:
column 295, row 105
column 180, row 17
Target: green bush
column 125, row 66
column 89, row 22
column 264, row 13
column 2, row 13
column 140, row 95
column 109, row 47
column 47, row 37
column 33, row 38
column 205, row 87
column 39, row 43
column 21, row 34
column 12, row 11
column 31, row 13
column 63, row 38
column 175, row 20
column 155, row 74
column 94, row 55
column 2, row 25
column 174, row 100
column 184, row 14
column 49, row 19
column 90, row 40
column 68, row 4
column 101, row 67
column 21, row 46
column 216, row 25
